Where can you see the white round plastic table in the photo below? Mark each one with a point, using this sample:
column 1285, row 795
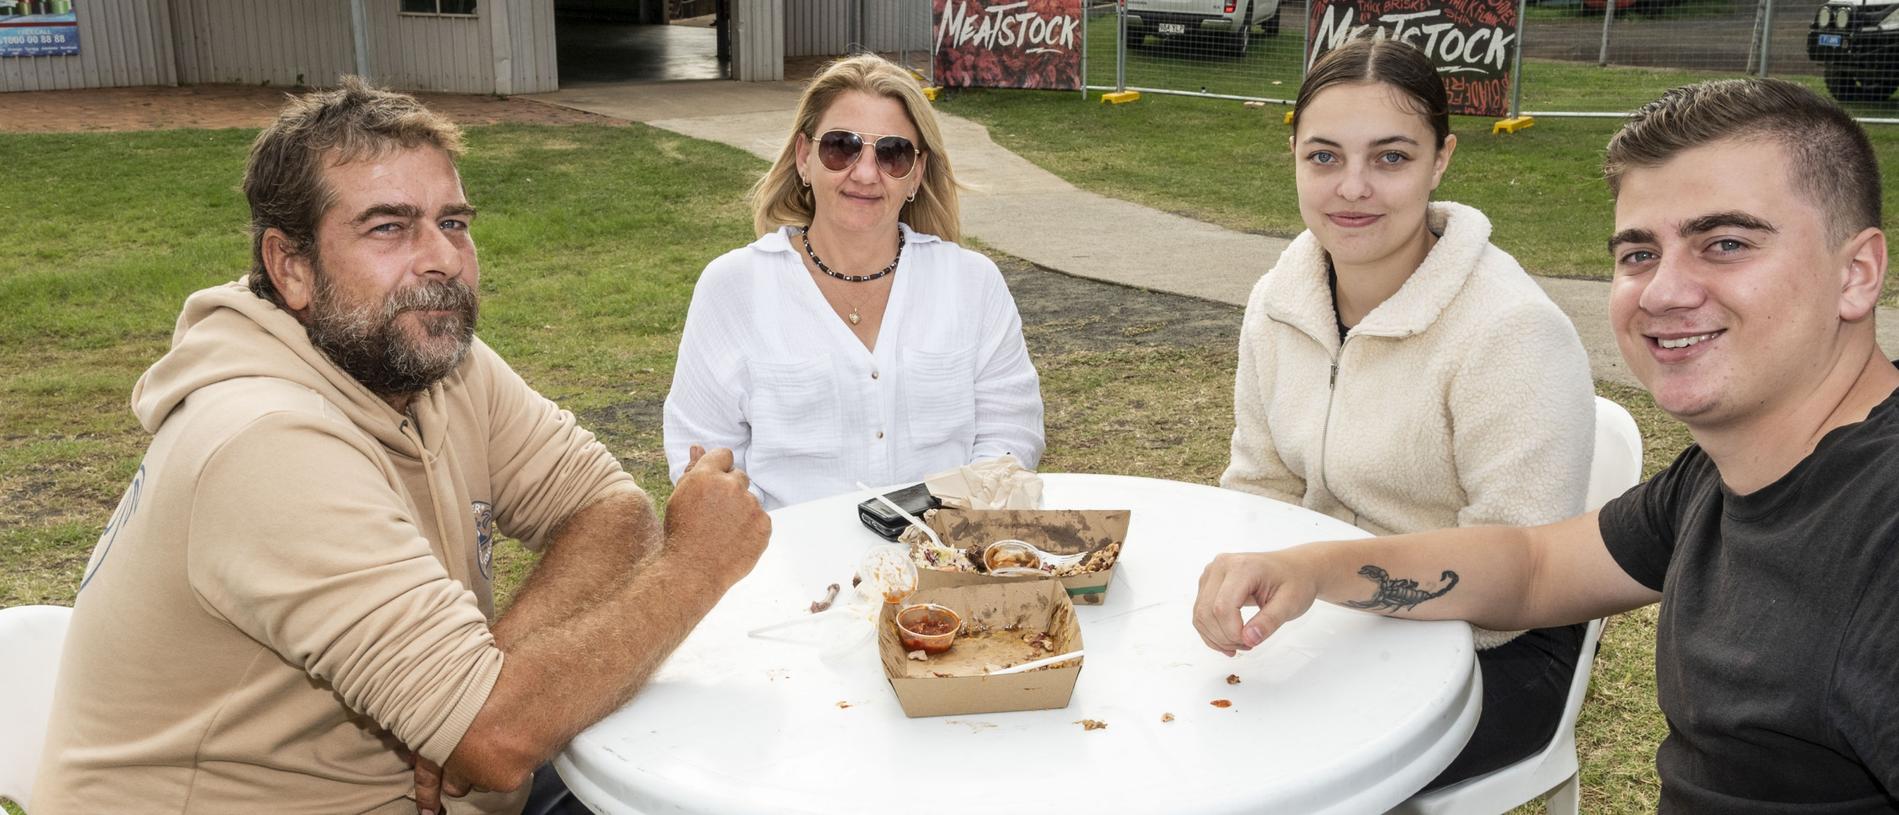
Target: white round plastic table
column 1339, row 712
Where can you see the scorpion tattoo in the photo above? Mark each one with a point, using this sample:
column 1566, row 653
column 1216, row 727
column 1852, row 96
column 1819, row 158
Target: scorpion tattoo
column 1399, row 595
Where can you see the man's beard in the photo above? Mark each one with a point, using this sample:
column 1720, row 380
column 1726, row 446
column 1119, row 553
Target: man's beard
column 365, row 342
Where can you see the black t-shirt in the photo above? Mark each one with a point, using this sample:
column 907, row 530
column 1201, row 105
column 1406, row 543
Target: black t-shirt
column 1777, row 657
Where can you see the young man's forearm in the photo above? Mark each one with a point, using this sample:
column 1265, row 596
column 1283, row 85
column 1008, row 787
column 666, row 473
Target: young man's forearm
column 1503, row 578
column 589, row 557
column 1478, row 574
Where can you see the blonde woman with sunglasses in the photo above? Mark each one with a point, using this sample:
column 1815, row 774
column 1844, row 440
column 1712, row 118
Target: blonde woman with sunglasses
column 854, row 341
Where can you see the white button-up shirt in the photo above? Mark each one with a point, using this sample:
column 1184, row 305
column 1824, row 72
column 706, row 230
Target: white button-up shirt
column 768, row 369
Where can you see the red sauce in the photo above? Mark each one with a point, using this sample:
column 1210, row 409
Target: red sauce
column 928, row 629
column 930, row 626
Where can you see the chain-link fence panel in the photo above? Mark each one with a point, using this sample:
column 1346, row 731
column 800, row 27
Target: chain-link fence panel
column 915, row 22
column 1608, row 57
column 1579, row 57
column 1243, row 49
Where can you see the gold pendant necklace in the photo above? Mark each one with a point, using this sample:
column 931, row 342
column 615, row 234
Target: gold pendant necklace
column 854, row 318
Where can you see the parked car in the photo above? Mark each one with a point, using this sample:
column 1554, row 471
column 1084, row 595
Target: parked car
column 1858, row 42
column 1228, row 22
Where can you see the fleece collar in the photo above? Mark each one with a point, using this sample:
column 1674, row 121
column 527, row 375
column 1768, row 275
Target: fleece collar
column 1299, row 296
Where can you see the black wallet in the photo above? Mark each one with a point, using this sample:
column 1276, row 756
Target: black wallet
column 883, row 520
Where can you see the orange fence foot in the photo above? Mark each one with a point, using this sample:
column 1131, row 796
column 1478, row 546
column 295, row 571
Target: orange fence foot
column 1512, row 125
column 1120, row 97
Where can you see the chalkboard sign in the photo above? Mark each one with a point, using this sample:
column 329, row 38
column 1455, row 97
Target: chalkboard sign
column 1473, row 43
column 1008, row 43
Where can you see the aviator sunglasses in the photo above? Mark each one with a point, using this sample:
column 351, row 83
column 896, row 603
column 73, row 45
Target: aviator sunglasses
column 839, row 149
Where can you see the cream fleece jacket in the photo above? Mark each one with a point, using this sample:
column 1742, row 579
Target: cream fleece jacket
column 297, row 578
column 1463, row 400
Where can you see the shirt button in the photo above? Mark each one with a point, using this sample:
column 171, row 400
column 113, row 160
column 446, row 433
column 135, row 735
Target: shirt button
column 873, row 374
column 880, row 434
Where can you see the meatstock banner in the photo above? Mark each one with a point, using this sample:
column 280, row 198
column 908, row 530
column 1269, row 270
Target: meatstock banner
column 1008, row 44
column 1472, row 42
column 38, row 28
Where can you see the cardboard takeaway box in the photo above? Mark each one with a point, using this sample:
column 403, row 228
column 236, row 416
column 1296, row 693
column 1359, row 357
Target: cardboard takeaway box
column 996, row 617
column 1061, row 531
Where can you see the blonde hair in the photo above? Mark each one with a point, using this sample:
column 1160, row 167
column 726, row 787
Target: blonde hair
column 780, row 199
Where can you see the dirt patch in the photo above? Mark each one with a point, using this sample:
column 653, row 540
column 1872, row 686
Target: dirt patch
column 1064, row 314
column 224, row 106
column 1061, row 315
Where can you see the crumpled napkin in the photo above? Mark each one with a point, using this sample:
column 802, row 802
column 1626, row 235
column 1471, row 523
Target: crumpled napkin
column 997, row 483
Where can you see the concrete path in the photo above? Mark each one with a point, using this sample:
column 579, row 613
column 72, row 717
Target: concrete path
column 1022, row 210
column 1012, row 205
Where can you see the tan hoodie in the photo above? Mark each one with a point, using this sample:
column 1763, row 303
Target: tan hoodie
column 297, row 579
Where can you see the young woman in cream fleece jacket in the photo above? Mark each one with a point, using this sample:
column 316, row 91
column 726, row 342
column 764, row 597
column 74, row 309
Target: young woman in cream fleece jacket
column 1400, row 373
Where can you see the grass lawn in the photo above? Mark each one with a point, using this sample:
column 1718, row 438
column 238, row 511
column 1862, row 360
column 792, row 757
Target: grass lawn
column 1220, row 162
column 591, row 239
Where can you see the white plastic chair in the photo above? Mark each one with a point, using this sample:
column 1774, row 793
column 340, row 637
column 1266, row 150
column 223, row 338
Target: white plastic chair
column 1617, row 464
column 31, row 639
column 1616, row 467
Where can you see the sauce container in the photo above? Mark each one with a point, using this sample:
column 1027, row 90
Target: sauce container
column 927, row 627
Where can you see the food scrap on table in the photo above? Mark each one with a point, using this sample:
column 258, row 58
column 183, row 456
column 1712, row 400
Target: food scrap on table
column 830, row 596
column 842, row 705
column 1092, row 724
column 1166, row 717
column 1233, row 679
column 1221, row 703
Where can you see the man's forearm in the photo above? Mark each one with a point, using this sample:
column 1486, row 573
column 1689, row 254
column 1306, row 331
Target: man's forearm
column 1478, row 574
column 558, row 678
column 1504, row 578
column 593, row 554
column 568, row 675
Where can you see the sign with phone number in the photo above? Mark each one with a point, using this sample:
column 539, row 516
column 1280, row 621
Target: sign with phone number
column 39, row 35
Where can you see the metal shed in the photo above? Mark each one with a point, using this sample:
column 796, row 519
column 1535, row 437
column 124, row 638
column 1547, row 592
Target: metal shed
column 502, row 47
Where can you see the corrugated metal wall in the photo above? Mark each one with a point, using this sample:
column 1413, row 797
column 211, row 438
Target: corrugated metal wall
column 531, row 25
column 759, row 39
column 121, row 43
column 823, row 27
column 817, row 27
column 282, row 42
column 897, row 25
column 290, row 42
column 432, row 53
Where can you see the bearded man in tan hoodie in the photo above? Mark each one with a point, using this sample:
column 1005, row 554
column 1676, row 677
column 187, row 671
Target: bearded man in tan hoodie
column 291, row 609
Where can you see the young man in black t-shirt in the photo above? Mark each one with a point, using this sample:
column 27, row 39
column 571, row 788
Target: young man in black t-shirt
column 1748, row 265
